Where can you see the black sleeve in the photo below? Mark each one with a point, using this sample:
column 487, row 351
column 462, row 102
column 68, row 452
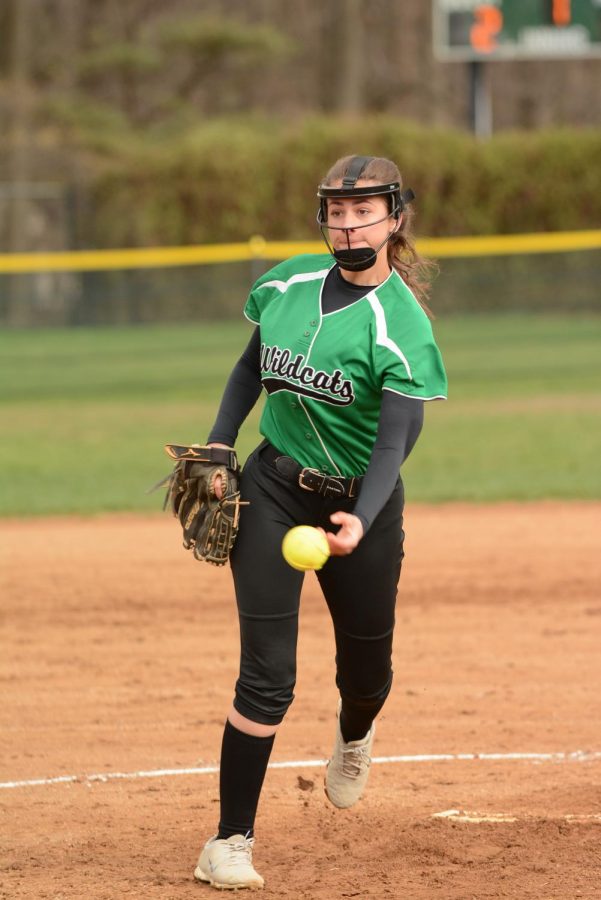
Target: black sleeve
column 401, row 420
column 241, row 393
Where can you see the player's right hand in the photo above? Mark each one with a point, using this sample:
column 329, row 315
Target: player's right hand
column 346, row 539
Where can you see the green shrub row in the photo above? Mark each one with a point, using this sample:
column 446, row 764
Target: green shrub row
column 230, row 179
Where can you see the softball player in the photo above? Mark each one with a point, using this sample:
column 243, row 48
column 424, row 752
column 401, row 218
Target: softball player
column 345, row 353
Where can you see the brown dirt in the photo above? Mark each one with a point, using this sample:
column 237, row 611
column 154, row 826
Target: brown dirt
column 120, row 653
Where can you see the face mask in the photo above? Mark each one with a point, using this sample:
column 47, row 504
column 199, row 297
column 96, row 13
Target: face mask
column 355, row 259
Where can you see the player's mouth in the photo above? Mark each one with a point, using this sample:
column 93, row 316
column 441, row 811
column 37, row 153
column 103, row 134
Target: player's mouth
column 344, row 245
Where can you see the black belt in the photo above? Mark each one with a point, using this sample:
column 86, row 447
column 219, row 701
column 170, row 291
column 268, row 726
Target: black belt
column 310, row 479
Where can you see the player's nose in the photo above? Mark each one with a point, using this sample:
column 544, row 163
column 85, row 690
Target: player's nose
column 348, row 221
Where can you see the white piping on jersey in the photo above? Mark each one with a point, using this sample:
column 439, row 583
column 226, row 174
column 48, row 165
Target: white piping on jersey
column 414, row 396
column 382, row 334
column 283, row 287
column 313, row 339
column 319, row 438
column 361, row 298
column 302, row 276
column 342, row 309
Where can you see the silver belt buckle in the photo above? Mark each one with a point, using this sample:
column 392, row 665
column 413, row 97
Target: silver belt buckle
column 301, row 475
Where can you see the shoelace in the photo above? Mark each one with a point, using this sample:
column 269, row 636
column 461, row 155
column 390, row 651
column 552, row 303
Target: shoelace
column 355, row 760
column 243, row 848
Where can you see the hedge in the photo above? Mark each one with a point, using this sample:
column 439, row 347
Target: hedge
column 230, row 179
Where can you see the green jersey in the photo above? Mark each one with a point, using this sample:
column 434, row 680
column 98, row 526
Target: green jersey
column 324, row 374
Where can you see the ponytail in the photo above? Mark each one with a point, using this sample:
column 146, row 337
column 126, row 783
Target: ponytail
column 416, row 271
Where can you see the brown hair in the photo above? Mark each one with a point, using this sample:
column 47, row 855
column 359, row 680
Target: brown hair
column 416, row 271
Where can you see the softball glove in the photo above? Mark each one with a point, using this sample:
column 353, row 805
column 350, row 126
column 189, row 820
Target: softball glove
column 209, row 523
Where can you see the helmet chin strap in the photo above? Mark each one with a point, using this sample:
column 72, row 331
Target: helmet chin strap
column 355, row 259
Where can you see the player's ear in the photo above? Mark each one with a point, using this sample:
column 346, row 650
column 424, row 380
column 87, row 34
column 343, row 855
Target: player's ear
column 397, row 224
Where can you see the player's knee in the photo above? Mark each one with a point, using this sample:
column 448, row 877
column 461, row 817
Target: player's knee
column 262, row 703
column 367, row 695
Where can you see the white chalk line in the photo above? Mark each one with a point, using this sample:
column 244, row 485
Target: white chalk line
column 574, row 756
column 475, row 818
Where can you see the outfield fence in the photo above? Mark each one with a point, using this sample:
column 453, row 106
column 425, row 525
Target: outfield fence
column 547, row 271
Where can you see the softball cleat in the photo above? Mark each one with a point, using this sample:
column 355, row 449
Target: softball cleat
column 227, row 864
column 348, row 769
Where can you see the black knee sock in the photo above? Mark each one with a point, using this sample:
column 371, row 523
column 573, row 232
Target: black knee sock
column 355, row 721
column 244, row 759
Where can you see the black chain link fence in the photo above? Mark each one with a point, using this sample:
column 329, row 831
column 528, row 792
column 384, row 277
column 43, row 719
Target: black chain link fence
column 544, row 282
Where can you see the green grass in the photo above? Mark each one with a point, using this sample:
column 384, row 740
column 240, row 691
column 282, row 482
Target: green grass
column 85, row 412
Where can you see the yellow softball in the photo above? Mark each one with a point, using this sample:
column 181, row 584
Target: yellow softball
column 305, row 548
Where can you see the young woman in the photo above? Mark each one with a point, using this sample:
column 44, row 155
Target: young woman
column 344, row 350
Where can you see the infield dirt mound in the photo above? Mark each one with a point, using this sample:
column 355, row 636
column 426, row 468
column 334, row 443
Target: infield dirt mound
column 120, row 655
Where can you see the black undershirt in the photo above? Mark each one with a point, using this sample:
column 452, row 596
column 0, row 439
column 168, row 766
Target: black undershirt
column 400, row 422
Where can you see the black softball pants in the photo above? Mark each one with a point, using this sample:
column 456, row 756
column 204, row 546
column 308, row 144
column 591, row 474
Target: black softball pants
column 360, row 590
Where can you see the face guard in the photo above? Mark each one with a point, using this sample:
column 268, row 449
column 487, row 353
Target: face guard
column 357, row 259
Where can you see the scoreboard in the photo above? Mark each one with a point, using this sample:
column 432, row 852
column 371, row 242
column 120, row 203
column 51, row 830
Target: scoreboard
column 466, row 30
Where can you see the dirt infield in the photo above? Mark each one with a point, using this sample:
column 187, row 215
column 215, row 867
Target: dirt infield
column 119, row 655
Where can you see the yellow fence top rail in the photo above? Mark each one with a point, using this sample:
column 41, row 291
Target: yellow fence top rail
column 258, row 248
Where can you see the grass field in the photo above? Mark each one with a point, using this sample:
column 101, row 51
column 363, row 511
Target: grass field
column 85, row 412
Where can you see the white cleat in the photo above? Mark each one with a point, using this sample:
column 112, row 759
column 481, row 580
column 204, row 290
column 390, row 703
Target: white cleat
column 228, row 864
column 348, row 769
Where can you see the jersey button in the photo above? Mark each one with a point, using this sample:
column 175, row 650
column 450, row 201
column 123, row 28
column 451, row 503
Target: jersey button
column 309, row 436
column 306, row 333
column 313, row 322
column 293, row 405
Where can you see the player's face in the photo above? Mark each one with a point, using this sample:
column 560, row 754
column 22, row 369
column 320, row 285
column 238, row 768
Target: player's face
column 358, row 221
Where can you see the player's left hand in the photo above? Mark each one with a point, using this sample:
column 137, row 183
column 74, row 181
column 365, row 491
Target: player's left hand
column 218, row 480
column 351, row 531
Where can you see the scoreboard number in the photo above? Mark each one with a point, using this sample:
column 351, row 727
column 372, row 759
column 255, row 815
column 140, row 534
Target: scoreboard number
column 468, row 30
column 488, row 23
column 561, row 12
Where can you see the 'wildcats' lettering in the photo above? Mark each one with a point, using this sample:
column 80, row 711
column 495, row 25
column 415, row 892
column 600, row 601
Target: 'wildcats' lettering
column 293, row 375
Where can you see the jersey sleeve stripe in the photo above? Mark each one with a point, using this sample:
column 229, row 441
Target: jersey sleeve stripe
column 283, row 286
column 382, row 334
column 415, row 396
column 280, row 285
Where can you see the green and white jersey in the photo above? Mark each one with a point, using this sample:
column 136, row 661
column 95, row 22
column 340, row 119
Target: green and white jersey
column 324, row 374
